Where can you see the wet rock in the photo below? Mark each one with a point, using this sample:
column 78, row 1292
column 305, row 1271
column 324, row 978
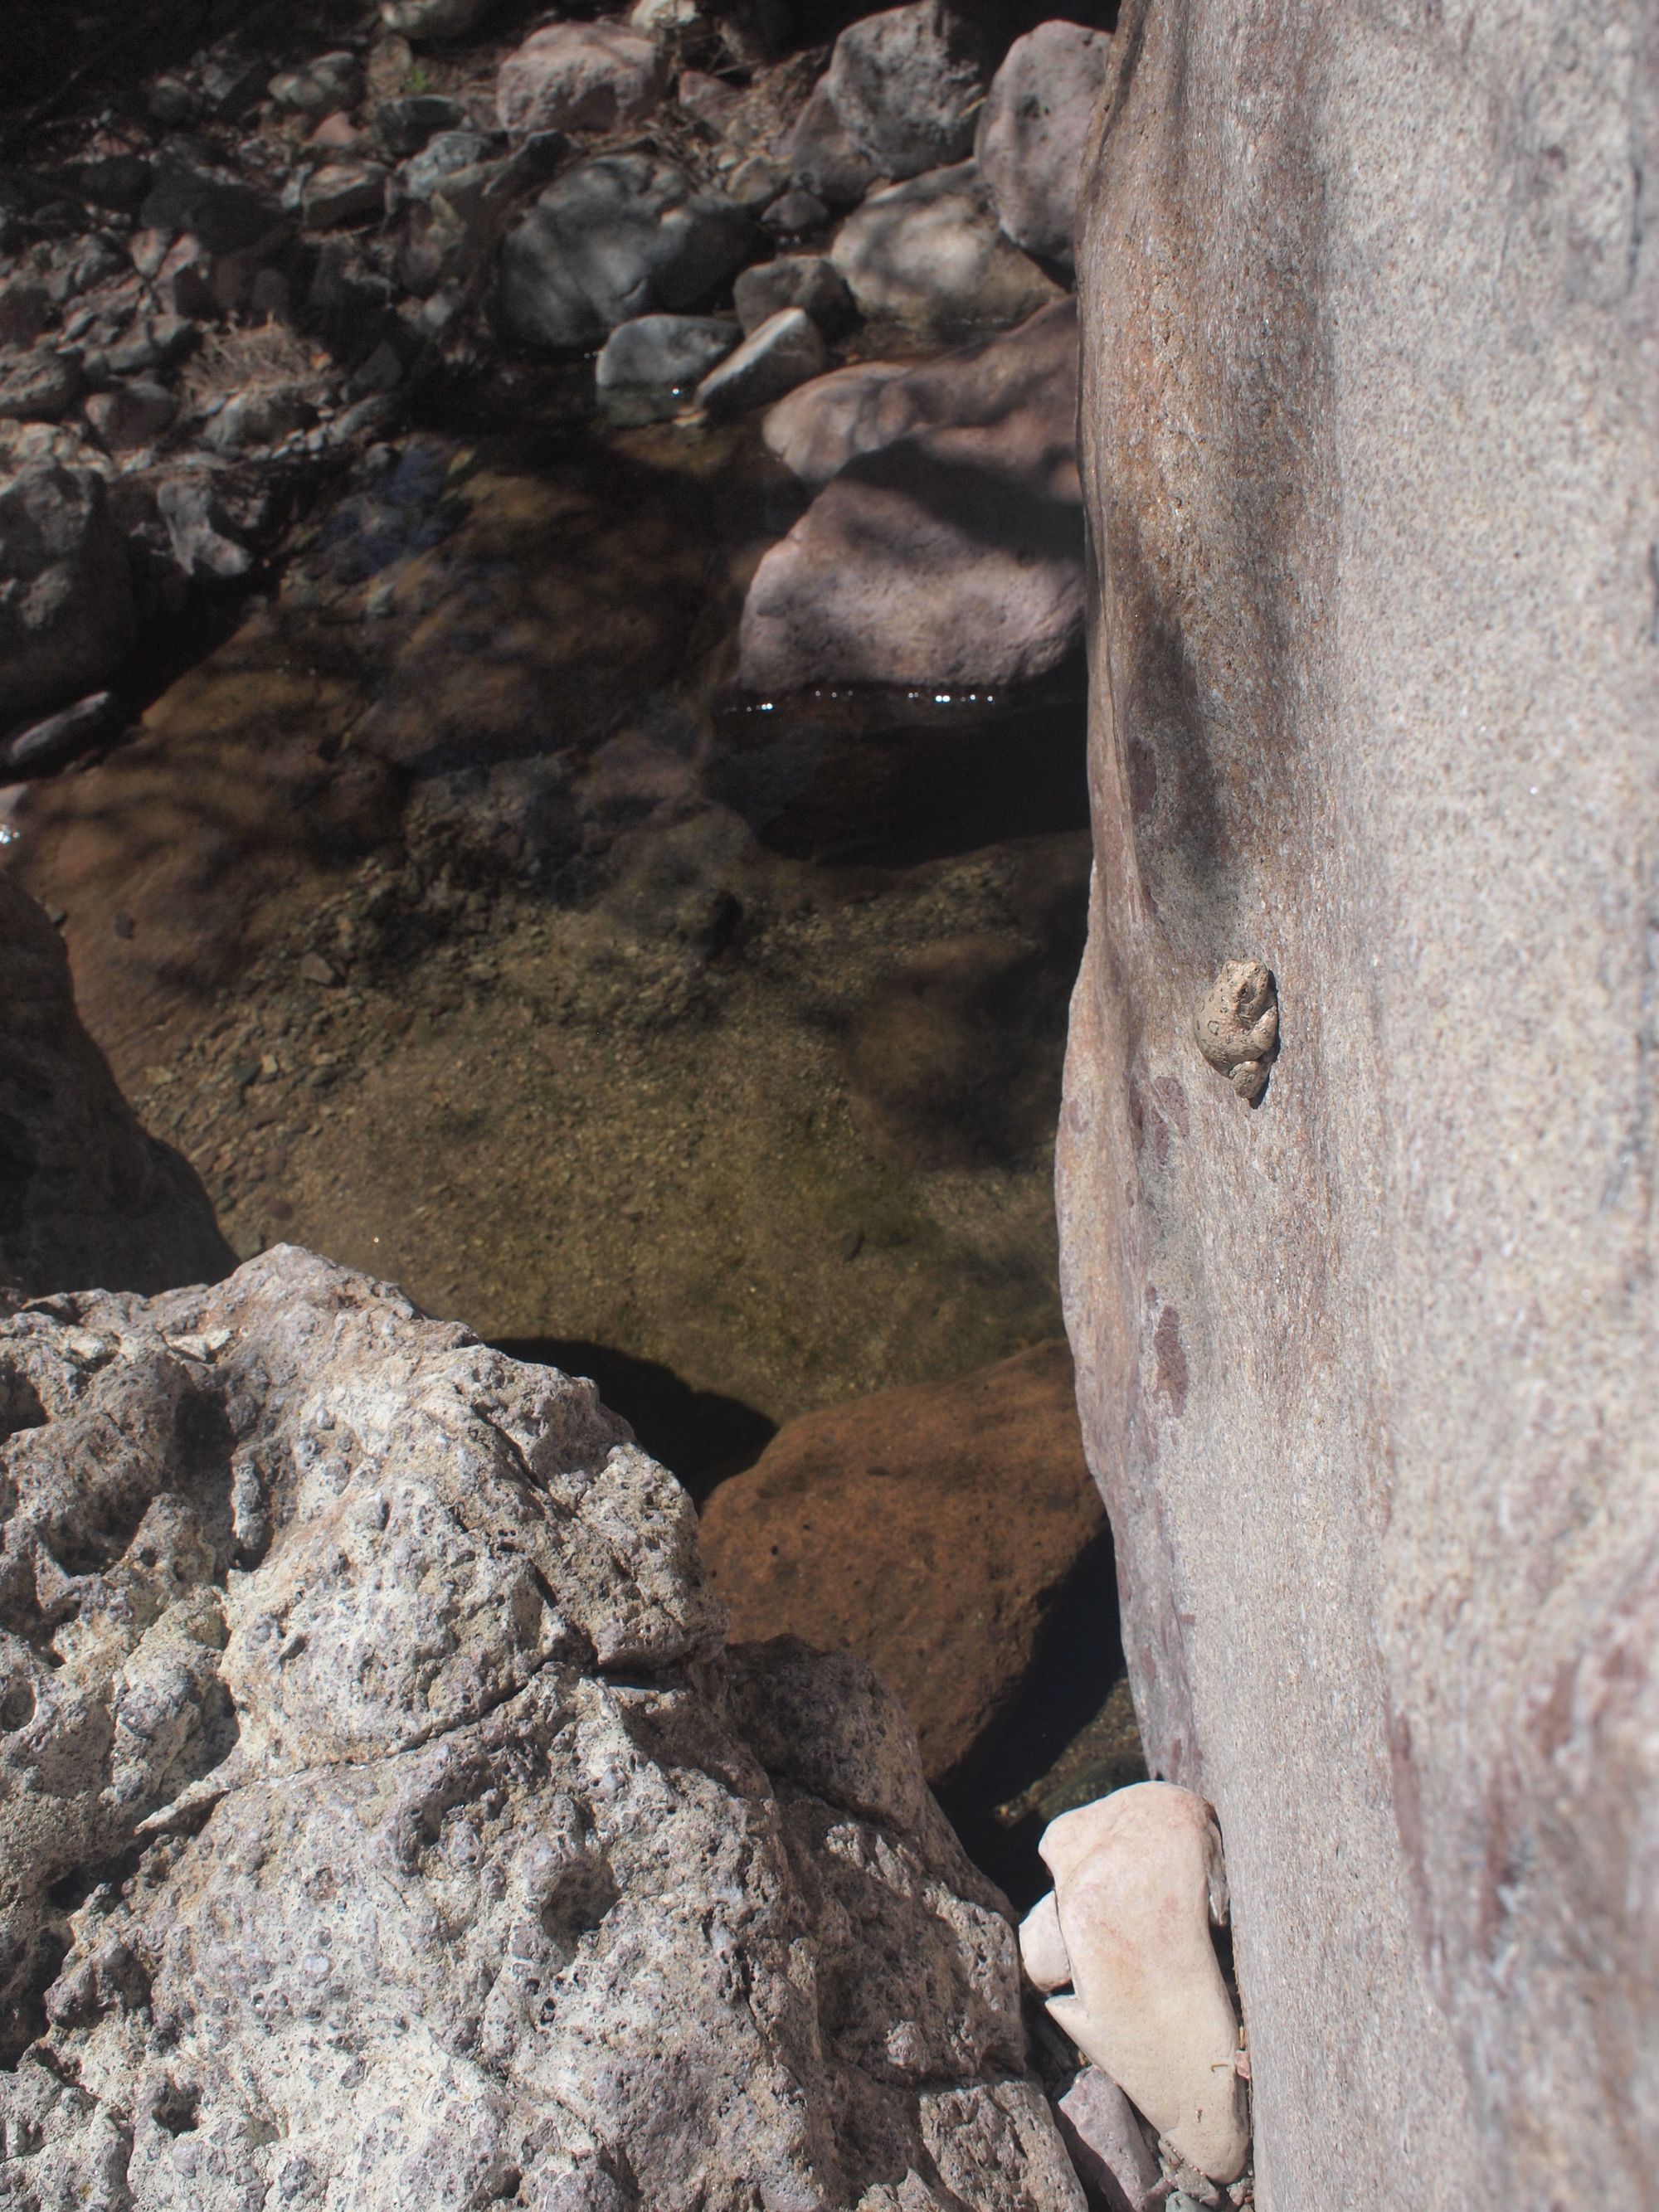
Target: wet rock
column 907, row 85
column 785, row 349
column 932, row 253
column 794, row 280
column 649, row 367
column 1107, row 2143
column 579, row 76
column 131, row 417
column 405, row 127
column 824, row 157
column 321, row 87
column 1138, row 1882
column 41, row 386
column 947, row 546
column 464, row 1792
column 66, row 612
column 1017, row 392
column 89, row 1197
column 616, row 237
column 434, row 22
column 1033, row 131
column 928, row 1530
column 342, row 193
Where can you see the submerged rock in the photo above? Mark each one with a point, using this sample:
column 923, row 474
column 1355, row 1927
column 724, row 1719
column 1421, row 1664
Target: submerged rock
column 649, row 367
column 1033, row 129
column 931, row 253
column 452, row 1851
column 88, row 1196
column 620, row 236
column 929, row 1530
column 66, row 605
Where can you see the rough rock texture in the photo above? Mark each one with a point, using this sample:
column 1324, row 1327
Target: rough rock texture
column 794, row 280
column 908, row 85
column 579, row 76
column 949, row 547
column 784, row 352
column 85, row 1196
column 928, row 1530
column 649, row 367
column 930, row 253
column 1033, row 129
column 620, row 236
column 1371, row 347
column 66, row 608
column 380, row 1825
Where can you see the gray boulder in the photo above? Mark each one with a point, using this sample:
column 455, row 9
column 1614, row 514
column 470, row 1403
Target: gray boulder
column 39, row 386
column 931, row 253
column 88, row 1197
column 616, row 237
column 1367, row 1370
column 907, row 85
column 1033, row 129
column 66, row 608
column 410, row 1839
column 648, row 369
column 825, row 158
column 787, row 349
column 793, row 280
column 580, row 77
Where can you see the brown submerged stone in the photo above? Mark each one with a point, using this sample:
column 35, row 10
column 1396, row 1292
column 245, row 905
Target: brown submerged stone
column 928, row 1530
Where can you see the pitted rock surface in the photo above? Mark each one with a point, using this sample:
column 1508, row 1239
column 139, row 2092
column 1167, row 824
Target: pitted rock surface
column 379, row 1827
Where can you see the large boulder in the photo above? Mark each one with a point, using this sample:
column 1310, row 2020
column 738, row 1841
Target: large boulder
column 907, row 86
column 381, row 1824
column 86, row 1197
column 931, row 253
column 1368, row 1368
column 1033, row 130
column 620, row 236
column 580, row 77
column 66, row 605
column 947, row 546
column 929, row 1530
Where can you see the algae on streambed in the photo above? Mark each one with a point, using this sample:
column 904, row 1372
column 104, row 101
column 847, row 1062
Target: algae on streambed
column 450, row 922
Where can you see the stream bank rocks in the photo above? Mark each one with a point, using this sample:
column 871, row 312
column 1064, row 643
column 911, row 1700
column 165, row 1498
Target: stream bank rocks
column 86, row 1196
column 383, row 1821
column 929, row 1530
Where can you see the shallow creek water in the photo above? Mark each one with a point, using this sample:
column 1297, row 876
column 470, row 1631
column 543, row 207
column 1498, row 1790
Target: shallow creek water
column 453, row 919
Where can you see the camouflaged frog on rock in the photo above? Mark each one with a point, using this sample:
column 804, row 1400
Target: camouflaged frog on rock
column 1236, row 1026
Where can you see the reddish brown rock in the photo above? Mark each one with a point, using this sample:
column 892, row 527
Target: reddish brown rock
column 928, row 1530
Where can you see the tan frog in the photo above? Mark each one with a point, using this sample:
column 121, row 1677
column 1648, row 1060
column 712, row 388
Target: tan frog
column 1238, row 1025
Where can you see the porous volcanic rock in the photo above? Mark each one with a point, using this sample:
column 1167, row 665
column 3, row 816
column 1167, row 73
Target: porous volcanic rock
column 1368, row 1370
column 929, row 1530
column 86, row 1197
column 382, row 1823
column 66, row 605
column 947, row 546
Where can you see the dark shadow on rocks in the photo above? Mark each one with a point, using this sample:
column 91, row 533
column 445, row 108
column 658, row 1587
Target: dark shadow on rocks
column 701, row 1436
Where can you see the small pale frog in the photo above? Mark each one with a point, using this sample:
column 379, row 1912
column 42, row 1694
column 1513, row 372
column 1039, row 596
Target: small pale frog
column 1238, row 1025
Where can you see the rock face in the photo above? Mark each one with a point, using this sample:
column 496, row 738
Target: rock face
column 947, row 547
column 66, row 608
column 618, row 237
column 928, row 1530
column 85, row 1196
column 1033, row 131
column 1368, row 1370
column 381, row 1824
column 930, row 253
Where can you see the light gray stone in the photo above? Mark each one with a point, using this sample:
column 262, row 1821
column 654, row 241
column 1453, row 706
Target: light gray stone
column 650, row 367
column 907, row 84
column 825, row 158
column 930, row 253
column 618, row 237
column 1367, row 1370
column 451, row 1861
column 89, row 1197
column 434, row 22
column 66, row 607
column 787, row 349
column 580, row 77
column 793, row 280
column 1033, row 129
